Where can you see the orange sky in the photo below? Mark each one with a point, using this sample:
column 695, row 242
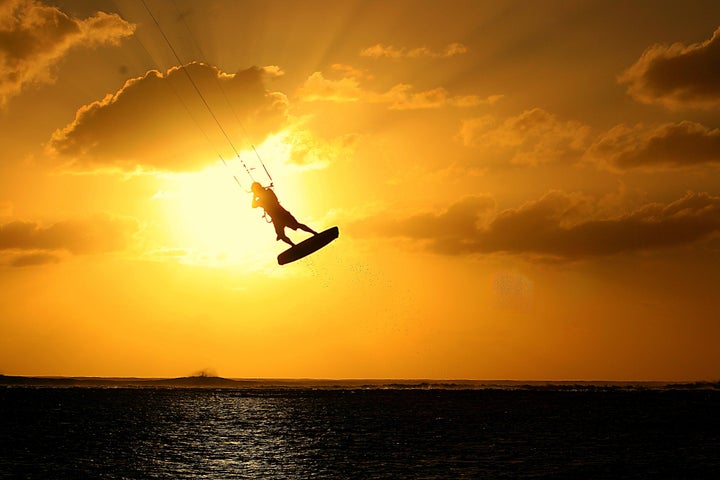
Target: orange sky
column 524, row 190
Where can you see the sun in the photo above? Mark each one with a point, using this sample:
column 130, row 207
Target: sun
column 207, row 215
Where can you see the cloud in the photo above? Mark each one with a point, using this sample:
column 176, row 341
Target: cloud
column 158, row 122
column 669, row 146
column 348, row 88
column 387, row 51
column 677, row 76
column 34, row 38
column 534, row 137
column 99, row 234
column 558, row 225
column 461, row 219
column 317, row 87
column 401, row 98
column 350, row 71
column 34, row 259
column 308, row 151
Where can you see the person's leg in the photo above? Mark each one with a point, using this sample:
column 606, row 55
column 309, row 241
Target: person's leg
column 285, row 239
column 280, row 231
column 302, row 226
column 291, row 222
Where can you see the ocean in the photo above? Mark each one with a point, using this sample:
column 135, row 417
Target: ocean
column 359, row 433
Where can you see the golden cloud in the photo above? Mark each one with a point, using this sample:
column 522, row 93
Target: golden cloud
column 34, row 38
column 34, row 259
column 534, row 137
column 402, row 96
column 677, row 76
column 159, row 122
column 388, row 51
column 98, row 234
column 317, row 87
column 558, row 225
column 310, row 152
column 668, row 146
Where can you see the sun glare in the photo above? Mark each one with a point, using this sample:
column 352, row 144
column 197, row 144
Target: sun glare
column 209, row 218
column 208, row 215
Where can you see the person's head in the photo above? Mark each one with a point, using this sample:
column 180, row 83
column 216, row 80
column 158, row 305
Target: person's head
column 256, row 187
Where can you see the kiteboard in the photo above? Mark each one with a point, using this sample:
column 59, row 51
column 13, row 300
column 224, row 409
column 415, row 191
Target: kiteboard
column 308, row 246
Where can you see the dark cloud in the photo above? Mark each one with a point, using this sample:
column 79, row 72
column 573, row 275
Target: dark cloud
column 99, row 234
column 35, row 37
column 678, row 76
column 34, row 259
column 159, row 122
column 536, row 137
column 558, row 225
column 461, row 219
column 674, row 145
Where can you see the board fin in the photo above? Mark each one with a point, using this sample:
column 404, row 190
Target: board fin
column 308, row 246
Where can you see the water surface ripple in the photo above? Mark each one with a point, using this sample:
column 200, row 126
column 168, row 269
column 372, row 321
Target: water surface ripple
column 145, row 433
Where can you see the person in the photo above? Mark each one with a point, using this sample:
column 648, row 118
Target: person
column 281, row 218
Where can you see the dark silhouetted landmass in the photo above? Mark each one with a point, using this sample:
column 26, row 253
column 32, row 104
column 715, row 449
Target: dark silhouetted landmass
column 205, row 381
column 201, row 381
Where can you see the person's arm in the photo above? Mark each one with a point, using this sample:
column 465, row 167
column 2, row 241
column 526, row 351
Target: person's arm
column 255, row 203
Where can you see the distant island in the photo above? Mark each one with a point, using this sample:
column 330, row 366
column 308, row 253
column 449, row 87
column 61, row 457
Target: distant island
column 215, row 382
column 199, row 381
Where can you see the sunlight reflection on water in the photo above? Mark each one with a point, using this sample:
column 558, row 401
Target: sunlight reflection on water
column 303, row 434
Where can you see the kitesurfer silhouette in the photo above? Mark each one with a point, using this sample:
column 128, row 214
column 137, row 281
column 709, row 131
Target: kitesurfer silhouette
column 281, row 218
